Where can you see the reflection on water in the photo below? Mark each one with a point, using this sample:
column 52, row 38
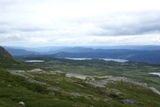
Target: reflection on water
column 116, row 60
column 34, row 61
column 155, row 73
column 106, row 59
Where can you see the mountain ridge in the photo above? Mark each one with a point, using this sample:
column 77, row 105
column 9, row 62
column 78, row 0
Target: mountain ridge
column 4, row 53
column 150, row 54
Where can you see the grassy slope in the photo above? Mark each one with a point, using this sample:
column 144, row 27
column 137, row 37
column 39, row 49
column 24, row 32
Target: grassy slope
column 70, row 92
column 15, row 88
column 136, row 71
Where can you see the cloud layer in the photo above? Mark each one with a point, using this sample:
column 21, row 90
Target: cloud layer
column 79, row 22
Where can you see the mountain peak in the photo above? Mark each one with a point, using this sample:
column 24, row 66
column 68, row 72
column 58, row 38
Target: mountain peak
column 4, row 53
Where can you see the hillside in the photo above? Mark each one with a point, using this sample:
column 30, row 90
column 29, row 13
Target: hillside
column 67, row 83
column 7, row 61
column 4, row 53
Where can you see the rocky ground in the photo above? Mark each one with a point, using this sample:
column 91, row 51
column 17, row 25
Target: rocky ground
column 94, row 82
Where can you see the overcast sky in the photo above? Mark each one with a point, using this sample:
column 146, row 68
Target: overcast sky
column 79, row 22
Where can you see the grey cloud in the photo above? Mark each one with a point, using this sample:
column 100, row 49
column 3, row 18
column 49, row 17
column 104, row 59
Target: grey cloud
column 4, row 28
column 139, row 24
column 9, row 28
column 29, row 29
column 136, row 29
column 27, row 22
column 6, row 2
column 3, row 31
column 15, row 38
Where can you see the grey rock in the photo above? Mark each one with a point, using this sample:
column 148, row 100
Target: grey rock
column 9, row 85
column 21, row 103
column 107, row 100
column 129, row 101
column 51, row 93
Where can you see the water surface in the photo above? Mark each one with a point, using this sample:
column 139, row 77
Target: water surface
column 106, row 59
column 30, row 61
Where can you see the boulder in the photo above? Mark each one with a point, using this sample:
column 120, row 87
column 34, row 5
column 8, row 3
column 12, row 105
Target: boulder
column 129, row 101
column 21, row 103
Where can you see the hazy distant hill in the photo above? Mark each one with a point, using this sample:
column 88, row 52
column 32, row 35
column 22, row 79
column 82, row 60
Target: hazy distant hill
column 131, row 47
column 17, row 51
column 147, row 53
column 151, row 56
column 101, row 48
column 73, row 50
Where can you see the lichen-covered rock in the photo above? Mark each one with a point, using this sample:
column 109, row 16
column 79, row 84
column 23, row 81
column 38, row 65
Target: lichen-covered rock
column 21, row 103
column 129, row 101
column 36, row 70
column 51, row 93
column 115, row 93
column 107, row 100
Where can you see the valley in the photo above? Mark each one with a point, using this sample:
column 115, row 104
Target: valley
column 146, row 53
column 44, row 81
column 79, row 53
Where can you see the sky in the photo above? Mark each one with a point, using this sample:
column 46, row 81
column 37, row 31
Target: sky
column 36, row 23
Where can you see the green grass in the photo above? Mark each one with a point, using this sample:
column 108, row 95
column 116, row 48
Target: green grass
column 14, row 89
column 73, row 92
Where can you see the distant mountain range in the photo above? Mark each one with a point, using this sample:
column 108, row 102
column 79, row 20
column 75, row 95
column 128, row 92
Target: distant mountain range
column 132, row 55
column 150, row 54
column 16, row 51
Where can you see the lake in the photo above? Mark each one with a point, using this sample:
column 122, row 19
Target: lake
column 155, row 73
column 30, row 61
column 106, row 59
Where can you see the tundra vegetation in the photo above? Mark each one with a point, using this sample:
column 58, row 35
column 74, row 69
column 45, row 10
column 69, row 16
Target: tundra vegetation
column 85, row 83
